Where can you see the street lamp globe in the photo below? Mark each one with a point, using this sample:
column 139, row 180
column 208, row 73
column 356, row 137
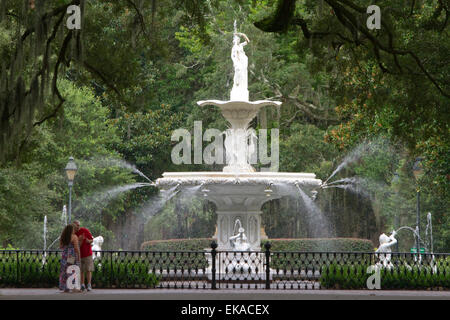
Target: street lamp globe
column 418, row 168
column 71, row 170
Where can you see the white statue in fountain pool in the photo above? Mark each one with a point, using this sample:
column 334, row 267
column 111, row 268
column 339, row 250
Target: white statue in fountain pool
column 385, row 247
column 240, row 261
column 239, row 241
column 240, row 63
column 97, row 247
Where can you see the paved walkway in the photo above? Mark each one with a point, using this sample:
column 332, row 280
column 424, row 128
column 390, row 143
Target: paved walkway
column 185, row 294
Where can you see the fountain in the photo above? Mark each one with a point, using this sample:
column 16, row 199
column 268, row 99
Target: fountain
column 239, row 191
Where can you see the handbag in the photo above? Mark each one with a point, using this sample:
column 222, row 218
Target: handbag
column 71, row 260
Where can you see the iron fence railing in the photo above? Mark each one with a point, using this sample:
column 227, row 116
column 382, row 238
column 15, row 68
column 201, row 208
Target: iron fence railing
column 213, row 269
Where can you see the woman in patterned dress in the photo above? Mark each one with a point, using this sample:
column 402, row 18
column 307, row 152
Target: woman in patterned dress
column 68, row 243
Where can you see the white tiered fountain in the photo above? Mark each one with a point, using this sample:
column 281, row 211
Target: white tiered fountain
column 238, row 191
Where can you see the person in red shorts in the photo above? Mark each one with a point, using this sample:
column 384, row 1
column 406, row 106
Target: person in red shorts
column 87, row 262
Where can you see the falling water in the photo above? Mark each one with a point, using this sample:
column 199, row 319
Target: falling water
column 350, row 187
column 44, row 257
column 191, row 191
column 45, row 233
column 364, row 148
column 51, row 245
column 114, row 192
column 406, row 227
column 124, row 164
column 316, row 216
column 342, row 165
column 108, row 162
column 103, row 198
column 111, row 193
column 416, row 235
column 64, row 216
column 346, row 180
column 157, row 202
column 357, row 185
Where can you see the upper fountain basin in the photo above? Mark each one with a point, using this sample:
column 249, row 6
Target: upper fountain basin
column 239, row 113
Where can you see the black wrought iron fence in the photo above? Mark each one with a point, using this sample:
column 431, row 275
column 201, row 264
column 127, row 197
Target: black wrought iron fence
column 213, row 269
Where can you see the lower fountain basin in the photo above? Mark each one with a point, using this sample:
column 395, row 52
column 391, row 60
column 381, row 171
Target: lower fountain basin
column 240, row 196
column 241, row 191
column 247, row 178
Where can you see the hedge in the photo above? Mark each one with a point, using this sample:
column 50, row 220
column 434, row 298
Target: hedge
column 351, row 276
column 304, row 245
column 198, row 244
column 30, row 270
column 321, row 245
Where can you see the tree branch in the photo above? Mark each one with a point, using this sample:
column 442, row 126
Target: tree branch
column 141, row 18
column 282, row 18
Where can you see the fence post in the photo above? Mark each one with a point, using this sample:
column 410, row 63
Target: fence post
column 213, row 264
column 267, row 245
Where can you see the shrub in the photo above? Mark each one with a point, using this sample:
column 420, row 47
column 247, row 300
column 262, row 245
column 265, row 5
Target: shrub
column 304, row 245
column 321, row 245
column 199, row 244
column 401, row 276
column 30, row 270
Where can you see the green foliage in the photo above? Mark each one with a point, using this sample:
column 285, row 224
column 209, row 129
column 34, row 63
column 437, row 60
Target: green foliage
column 321, row 245
column 120, row 273
column 303, row 245
column 344, row 275
column 145, row 138
column 29, row 269
column 142, row 70
column 177, row 245
column 307, row 141
column 24, row 201
column 33, row 270
column 39, row 186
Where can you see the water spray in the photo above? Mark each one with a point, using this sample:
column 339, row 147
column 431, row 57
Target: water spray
column 45, row 233
column 429, row 227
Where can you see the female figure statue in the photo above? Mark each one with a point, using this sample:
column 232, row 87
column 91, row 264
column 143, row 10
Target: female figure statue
column 239, row 241
column 240, row 63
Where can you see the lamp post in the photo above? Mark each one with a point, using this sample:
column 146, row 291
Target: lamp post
column 71, row 170
column 418, row 173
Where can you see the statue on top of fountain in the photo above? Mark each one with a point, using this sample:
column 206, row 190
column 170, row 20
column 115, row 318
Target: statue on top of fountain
column 239, row 92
